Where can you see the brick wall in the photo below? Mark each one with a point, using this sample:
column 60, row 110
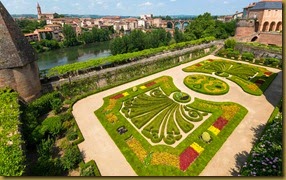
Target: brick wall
column 270, row 38
column 25, row 80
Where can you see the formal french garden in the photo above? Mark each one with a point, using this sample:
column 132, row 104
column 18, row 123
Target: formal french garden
column 160, row 132
column 252, row 79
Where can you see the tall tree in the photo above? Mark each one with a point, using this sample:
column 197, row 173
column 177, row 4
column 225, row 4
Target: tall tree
column 70, row 36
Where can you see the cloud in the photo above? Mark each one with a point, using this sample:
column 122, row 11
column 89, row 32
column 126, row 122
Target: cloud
column 225, row 2
column 173, row 0
column 146, row 4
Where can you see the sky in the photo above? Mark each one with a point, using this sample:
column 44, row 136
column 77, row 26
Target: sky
column 127, row 7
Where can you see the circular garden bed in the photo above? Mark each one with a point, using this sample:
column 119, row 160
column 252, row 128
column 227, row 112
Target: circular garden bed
column 182, row 97
column 206, row 84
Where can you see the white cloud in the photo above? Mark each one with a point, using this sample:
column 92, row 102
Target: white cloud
column 146, row 4
column 225, row 2
column 173, row 0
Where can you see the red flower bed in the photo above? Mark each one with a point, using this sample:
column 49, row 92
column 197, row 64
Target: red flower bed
column 220, row 123
column 211, row 60
column 198, row 65
column 187, row 157
column 259, row 82
column 150, row 84
column 268, row 73
column 118, row 96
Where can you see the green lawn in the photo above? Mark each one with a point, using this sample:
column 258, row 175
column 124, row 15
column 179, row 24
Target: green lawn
column 154, row 144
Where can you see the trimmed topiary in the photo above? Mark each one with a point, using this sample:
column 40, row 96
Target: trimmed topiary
column 206, row 137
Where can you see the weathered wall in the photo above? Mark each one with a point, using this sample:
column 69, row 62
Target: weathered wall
column 270, row 38
column 258, row 52
column 25, row 80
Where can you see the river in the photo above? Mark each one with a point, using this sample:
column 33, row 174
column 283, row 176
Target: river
column 50, row 59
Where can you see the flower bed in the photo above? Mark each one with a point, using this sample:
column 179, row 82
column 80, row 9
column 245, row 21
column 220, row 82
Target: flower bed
column 156, row 124
column 242, row 74
column 206, row 85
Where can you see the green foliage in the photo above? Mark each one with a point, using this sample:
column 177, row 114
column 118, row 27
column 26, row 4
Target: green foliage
column 229, row 43
column 205, row 25
column 247, row 56
column 12, row 159
column 56, row 105
column 45, row 149
column 72, row 134
column 182, row 97
column 266, row 156
column 178, row 36
column 95, row 35
column 263, row 46
column 89, row 169
column 69, row 68
column 29, row 26
column 206, row 84
column 33, row 111
column 47, row 167
column 45, row 45
column 138, row 41
column 52, row 126
column 70, row 36
column 72, row 157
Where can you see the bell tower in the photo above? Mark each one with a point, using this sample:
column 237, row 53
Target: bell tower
column 39, row 11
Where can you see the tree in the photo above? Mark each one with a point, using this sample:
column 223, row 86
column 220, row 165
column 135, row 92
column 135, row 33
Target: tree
column 56, row 15
column 178, row 35
column 70, row 36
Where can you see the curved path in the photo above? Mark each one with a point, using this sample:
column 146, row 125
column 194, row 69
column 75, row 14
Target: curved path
column 99, row 146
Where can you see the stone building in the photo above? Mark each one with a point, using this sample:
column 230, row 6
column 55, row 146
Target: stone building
column 261, row 22
column 42, row 16
column 18, row 67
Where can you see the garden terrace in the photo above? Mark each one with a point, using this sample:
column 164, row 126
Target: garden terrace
column 73, row 69
column 11, row 154
column 253, row 80
column 164, row 136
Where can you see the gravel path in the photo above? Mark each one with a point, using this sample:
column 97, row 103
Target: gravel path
column 99, row 146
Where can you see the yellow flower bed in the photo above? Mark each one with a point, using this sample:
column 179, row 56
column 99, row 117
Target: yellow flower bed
column 229, row 111
column 164, row 158
column 252, row 87
column 197, row 148
column 125, row 94
column 111, row 118
column 143, row 87
column 163, row 79
column 111, row 105
column 137, row 148
column 214, row 130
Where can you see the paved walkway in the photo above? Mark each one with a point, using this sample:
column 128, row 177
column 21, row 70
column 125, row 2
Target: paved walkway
column 99, row 146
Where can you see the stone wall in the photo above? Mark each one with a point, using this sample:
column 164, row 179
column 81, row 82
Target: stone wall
column 258, row 52
column 270, row 38
column 24, row 80
column 111, row 72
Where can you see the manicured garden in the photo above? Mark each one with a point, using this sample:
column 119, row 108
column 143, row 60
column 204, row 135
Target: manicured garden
column 163, row 135
column 206, row 84
column 253, row 80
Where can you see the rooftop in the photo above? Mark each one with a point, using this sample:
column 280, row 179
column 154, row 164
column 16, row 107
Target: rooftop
column 15, row 50
column 262, row 5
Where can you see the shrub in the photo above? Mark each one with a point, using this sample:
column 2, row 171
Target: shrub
column 71, row 158
column 206, row 137
column 247, row 56
column 229, row 43
column 45, row 149
column 56, row 105
column 89, row 169
column 135, row 89
column 52, row 125
column 72, row 135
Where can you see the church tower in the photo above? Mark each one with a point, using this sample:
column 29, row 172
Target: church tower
column 18, row 67
column 39, row 11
